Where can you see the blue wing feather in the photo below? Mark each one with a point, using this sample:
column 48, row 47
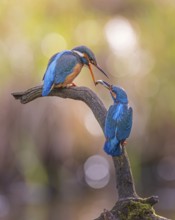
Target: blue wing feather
column 124, row 124
column 64, row 66
column 55, row 56
column 112, row 144
column 49, row 75
column 110, row 122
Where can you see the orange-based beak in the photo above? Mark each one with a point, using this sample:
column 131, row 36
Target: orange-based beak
column 92, row 74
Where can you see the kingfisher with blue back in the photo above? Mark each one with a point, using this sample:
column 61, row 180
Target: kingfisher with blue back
column 64, row 66
column 118, row 121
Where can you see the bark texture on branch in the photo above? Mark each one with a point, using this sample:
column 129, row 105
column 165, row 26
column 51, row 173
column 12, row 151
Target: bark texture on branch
column 78, row 93
column 129, row 205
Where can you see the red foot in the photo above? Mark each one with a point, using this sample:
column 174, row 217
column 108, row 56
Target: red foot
column 71, row 85
column 123, row 143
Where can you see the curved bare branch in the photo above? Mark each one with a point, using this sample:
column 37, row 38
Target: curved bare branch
column 124, row 180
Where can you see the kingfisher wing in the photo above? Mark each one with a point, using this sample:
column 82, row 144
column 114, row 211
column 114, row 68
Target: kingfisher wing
column 50, row 73
column 50, row 61
column 64, row 66
column 124, row 124
column 110, row 123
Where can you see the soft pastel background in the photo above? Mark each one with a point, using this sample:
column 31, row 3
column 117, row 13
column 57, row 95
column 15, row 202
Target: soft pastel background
column 52, row 165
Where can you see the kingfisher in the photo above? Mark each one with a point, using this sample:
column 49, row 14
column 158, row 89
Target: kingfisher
column 118, row 122
column 64, row 66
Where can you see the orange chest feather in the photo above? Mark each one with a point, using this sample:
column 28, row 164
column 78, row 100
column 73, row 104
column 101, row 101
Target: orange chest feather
column 72, row 76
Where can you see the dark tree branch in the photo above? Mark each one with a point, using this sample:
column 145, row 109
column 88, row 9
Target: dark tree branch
column 78, row 93
column 129, row 205
column 125, row 182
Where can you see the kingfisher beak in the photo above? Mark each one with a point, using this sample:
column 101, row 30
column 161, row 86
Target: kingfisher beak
column 92, row 74
column 105, row 84
column 99, row 68
column 108, row 86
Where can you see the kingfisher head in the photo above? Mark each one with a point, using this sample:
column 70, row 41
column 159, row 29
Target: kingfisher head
column 87, row 57
column 118, row 94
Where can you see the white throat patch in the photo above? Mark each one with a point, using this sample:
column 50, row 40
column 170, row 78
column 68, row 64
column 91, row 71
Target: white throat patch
column 79, row 53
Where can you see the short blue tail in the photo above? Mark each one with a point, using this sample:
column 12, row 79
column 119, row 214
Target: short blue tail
column 46, row 87
column 49, row 78
column 113, row 149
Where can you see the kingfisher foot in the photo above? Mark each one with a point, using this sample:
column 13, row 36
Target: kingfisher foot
column 123, row 143
column 71, row 85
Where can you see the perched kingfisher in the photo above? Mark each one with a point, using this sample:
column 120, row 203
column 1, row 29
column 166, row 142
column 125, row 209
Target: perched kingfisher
column 118, row 121
column 63, row 67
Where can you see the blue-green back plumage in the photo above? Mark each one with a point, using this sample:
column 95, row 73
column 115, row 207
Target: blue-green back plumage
column 64, row 66
column 49, row 76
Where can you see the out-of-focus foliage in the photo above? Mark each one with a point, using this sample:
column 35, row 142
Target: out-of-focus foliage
column 52, row 165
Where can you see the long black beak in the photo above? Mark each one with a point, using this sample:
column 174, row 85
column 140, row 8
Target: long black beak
column 101, row 70
column 105, row 84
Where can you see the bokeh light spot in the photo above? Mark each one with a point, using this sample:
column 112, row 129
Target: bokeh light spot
column 96, row 169
column 121, row 36
column 123, row 41
column 52, row 43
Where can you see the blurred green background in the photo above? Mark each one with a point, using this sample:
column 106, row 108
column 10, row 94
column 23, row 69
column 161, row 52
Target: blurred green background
column 52, row 165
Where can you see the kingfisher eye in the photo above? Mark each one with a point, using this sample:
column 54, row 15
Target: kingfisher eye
column 92, row 61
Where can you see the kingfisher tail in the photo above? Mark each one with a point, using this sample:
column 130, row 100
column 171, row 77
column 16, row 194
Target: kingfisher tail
column 47, row 86
column 113, row 149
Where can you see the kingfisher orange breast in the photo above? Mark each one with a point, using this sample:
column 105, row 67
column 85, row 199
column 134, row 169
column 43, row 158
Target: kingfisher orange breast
column 69, row 79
